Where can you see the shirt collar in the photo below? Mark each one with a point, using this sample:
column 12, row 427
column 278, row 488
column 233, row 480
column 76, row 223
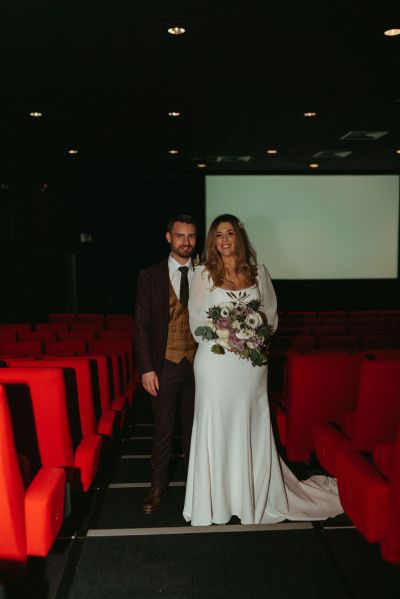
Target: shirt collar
column 174, row 265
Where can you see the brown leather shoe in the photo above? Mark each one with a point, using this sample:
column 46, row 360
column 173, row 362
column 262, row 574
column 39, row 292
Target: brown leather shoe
column 153, row 500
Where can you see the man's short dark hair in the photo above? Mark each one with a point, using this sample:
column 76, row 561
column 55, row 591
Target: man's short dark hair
column 180, row 218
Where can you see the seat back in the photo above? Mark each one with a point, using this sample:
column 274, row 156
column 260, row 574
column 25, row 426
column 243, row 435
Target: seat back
column 319, row 387
column 47, row 391
column 79, row 389
column 12, row 520
column 65, row 348
column 52, row 326
column 377, row 415
column 22, row 348
column 62, row 317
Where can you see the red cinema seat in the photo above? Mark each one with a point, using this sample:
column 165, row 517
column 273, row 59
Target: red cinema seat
column 115, row 375
column 52, row 326
column 10, row 336
column 332, row 314
column 361, row 331
column 390, row 546
column 364, row 494
column 377, row 416
column 377, row 322
column 111, row 395
column 12, row 520
column 290, row 331
column 319, row 387
column 345, row 342
column 15, row 328
column 335, row 322
column 330, row 331
column 301, row 314
column 116, row 321
column 65, row 348
column 94, row 396
column 85, row 317
column 19, row 349
column 40, row 336
column 61, row 444
column 89, row 449
column 377, row 341
column 363, row 313
column 124, row 348
column 85, row 336
column 373, row 419
column 87, row 326
column 43, row 482
column 116, row 335
column 371, row 500
column 62, row 317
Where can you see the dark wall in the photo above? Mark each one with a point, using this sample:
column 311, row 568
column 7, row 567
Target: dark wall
column 125, row 213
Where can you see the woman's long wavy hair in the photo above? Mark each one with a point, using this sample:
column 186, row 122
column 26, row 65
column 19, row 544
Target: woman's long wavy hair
column 246, row 258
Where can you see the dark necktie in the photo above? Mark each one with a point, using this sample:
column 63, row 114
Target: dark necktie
column 184, row 287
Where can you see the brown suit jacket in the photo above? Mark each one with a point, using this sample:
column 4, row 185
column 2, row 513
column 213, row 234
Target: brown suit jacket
column 152, row 317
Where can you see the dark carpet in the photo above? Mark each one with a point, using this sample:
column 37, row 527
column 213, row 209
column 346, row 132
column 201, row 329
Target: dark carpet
column 257, row 565
column 121, row 509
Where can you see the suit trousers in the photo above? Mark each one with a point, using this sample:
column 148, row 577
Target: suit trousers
column 176, row 385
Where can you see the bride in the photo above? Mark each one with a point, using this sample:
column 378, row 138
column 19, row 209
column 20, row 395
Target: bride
column 234, row 467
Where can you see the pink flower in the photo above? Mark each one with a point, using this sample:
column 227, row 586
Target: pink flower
column 236, row 343
column 223, row 323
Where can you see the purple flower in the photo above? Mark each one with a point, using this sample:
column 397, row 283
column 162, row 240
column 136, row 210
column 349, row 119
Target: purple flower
column 236, row 343
column 223, row 323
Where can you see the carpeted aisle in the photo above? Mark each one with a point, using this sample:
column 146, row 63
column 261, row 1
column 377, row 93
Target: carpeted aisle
column 130, row 555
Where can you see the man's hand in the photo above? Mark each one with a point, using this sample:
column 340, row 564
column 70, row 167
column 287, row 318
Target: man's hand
column 150, row 383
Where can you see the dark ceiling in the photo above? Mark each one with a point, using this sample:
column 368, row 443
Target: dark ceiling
column 106, row 74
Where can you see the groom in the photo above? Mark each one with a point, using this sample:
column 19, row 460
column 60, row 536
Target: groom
column 165, row 349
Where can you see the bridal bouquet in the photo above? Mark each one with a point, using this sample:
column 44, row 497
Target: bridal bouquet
column 240, row 327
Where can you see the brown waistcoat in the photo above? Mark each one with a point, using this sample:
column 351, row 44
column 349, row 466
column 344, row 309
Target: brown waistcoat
column 180, row 342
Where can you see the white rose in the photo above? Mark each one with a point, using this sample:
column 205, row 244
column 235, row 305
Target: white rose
column 245, row 334
column 223, row 333
column 236, row 325
column 253, row 320
column 225, row 309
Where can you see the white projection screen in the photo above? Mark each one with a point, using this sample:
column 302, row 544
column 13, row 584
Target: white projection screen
column 315, row 226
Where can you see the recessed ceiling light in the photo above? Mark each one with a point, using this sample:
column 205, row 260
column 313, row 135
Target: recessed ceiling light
column 309, row 114
column 272, row 152
column 36, row 115
column 392, row 32
column 314, row 165
column 176, row 30
column 173, row 151
column 73, row 151
column 397, row 151
column 173, row 113
column 201, row 165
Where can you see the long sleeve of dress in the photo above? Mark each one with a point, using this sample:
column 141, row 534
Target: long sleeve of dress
column 198, row 301
column 268, row 297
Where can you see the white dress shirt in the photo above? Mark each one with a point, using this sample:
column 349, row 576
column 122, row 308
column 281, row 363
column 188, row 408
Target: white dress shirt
column 175, row 274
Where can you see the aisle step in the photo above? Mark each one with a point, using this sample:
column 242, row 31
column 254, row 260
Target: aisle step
column 187, row 529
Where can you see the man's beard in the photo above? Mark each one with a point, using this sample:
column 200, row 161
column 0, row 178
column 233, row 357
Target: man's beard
column 185, row 252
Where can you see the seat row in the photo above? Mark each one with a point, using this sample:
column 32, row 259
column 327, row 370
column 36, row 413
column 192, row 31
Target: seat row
column 346, row 408
column 25, row 329
column 331, row 339
column 333, row 314
column 57, row 415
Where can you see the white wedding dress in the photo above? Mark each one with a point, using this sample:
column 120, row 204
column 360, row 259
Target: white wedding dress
column 234, row 468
